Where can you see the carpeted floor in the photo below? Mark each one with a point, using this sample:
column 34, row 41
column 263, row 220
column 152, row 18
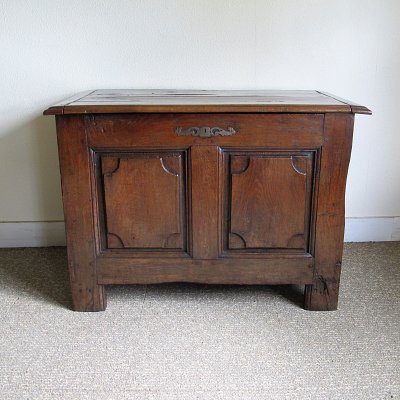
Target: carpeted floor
column 181, row 341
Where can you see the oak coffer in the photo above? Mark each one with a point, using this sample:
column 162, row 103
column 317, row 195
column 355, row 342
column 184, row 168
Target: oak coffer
column 227, row 187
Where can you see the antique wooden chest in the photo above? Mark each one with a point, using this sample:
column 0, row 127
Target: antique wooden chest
column 227, row 187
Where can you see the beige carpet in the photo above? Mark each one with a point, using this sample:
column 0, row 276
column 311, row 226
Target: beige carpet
column 181, row 341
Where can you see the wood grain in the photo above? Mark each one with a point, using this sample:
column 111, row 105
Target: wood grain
column 87, row 295
column 202, row 101
column 270, row 198
column 329, row 231
column 271, row 271
column 149, row 188
column 255, row 196
column 159, row 130
column 204, row 201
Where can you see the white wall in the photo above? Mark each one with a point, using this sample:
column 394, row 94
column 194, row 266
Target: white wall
column 51, row 49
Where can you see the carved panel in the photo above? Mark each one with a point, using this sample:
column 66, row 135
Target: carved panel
column 268, row 200
column 144, row 200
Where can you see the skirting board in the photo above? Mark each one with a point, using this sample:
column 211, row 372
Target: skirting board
column 44, row 234
column 372, row 229
column 32, row 234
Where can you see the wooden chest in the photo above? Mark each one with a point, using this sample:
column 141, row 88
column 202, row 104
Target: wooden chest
column 228, row 187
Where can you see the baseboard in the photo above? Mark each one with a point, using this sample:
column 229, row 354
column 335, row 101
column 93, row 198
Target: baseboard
column 32, row 234
column 43, row 234
column 381, row 229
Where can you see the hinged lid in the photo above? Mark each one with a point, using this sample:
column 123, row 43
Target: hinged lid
column 204, row 101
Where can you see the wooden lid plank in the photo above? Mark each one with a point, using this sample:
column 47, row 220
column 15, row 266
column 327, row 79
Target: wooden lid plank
column 203, row 101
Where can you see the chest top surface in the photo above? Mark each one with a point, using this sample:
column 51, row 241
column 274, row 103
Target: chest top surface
column 203, row 101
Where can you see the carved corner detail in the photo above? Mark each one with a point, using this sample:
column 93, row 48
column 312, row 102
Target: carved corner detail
column 168, row 166
column 236, row 241
column 299, row 165
column 239, row 164
column 173, row 240
column 296, row 241
column 110, row 165
column 114, row 241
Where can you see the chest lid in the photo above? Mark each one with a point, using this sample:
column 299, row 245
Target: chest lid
column 106, row 101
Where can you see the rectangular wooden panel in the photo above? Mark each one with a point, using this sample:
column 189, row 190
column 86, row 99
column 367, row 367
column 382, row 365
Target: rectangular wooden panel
column 277, row 270
column 268, row 198
column 144, row 200
column 121, row 131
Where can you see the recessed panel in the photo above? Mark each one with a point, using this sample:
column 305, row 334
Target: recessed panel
column 268, row 201
column 144, row 200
